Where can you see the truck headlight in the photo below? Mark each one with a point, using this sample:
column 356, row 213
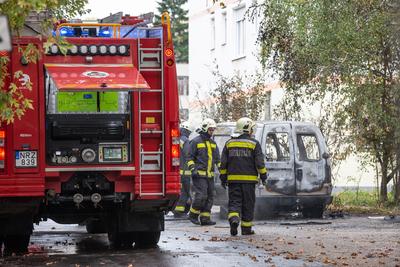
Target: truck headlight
column 88, row 155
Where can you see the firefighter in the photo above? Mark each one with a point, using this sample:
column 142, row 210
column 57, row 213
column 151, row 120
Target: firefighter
column 204, row 155
column 241, row 162
column 180, row 209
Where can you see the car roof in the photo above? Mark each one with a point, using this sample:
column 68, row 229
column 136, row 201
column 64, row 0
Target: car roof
column 260, row 123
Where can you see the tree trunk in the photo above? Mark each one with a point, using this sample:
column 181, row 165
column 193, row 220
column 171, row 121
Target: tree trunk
column 384, row 169
column 396, row 177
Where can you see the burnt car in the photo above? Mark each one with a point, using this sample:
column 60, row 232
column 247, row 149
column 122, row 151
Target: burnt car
column 298, row 164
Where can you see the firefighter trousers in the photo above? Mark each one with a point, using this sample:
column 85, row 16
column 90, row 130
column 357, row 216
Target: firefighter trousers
column 242, row 197
column 185, row 197
column 203, row 195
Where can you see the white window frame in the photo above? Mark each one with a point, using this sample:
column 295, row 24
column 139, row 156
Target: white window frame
column 212, row 24
column 240, row 32
column 224, row 35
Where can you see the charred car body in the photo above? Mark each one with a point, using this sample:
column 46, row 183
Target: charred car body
column 298, row 169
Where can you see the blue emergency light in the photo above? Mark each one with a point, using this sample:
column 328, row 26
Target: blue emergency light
column 105, row 32
column 66, row 32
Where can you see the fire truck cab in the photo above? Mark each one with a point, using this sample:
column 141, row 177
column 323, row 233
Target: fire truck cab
column 101, row 146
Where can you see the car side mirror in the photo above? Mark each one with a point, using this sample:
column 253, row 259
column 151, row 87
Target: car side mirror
column 326, row 155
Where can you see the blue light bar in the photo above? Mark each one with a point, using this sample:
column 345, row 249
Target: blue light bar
column 105, row 32
column 66, row 32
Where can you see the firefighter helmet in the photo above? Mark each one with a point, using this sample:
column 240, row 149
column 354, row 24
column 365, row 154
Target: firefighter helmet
column 185, row 125
column 208, row 123
column 245, row 125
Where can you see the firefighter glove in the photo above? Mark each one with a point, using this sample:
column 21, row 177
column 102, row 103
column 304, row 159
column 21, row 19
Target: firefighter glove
column 224, row 184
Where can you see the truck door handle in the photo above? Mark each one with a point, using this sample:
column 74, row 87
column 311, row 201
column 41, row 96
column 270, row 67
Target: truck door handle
column 299, row 174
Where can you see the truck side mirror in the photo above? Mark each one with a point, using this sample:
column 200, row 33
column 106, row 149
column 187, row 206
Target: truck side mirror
column 326, row 155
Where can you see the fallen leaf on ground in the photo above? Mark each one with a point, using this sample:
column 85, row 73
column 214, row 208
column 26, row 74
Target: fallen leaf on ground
column 194, row 239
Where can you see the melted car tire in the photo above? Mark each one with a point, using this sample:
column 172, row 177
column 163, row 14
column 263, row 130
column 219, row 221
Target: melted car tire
column 313, row 212
column 147, row 239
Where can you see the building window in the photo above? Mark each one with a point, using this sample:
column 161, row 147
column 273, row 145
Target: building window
column 184, row 114
column 240, row 32
column 212, row 33
column 224, row 29
column 183, row 85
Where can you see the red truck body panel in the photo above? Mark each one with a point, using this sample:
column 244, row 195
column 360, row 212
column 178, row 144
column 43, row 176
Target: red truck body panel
column 147, row 124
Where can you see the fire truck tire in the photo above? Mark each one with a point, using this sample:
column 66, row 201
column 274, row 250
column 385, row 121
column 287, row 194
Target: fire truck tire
column 1, row 244
column 16, row 244
column 120, row 240
column 96, row 227
column 147, row 239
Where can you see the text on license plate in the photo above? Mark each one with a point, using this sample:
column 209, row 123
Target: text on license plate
column 25, row 158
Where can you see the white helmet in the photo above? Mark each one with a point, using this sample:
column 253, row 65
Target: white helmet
column 208, row 123
column 185, row 125
column 245, row 125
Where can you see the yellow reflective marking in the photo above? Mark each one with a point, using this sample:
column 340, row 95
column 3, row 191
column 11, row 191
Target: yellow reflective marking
column 213, row 146
column 190, row 163
column 241, row 145
column 182, row 172
column 201, row 145
column 180, row 208
column 204, row 173
column 246, row 224
column 192, row 210
column 239, row 177
column 205, row 214
column 209, row 152
column 233, row 214
column 224, row 171
column 262, row 170
column 150, row 119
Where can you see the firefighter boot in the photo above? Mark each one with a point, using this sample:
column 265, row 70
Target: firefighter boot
column 179, row 214
column 247, row 231
column 194, row 218
column 234, row 223
column 204, row 220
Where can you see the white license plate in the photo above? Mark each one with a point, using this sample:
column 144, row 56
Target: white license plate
column 24, row 159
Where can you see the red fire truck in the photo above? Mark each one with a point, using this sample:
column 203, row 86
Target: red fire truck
column 101, row 146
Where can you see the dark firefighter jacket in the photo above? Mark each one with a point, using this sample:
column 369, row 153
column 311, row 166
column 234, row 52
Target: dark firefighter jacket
column 242, row 160
column 204, row 155
column 185, row 150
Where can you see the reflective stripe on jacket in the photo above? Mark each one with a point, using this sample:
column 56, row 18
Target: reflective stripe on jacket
column 185, row 150
column 242, row 160
column 204, row 155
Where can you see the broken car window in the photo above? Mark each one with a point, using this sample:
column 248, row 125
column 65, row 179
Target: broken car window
column 307, row 147
column 277, row 147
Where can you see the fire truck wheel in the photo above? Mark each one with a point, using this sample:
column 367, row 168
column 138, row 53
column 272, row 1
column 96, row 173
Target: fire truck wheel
column 1, row 245
column 147, row 239
column 119, row 240
column 96, row 227
column 16, row 244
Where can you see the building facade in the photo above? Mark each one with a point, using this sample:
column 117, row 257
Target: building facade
column 222, row 35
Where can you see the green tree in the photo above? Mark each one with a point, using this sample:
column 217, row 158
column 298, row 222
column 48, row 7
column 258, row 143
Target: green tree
column 235, row 96
column 12, row 101
column 350, row 49
column 179, row 26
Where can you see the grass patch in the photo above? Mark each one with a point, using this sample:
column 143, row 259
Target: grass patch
column 362, row 202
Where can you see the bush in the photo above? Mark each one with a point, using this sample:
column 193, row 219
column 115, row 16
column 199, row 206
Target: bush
column 363, row 202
